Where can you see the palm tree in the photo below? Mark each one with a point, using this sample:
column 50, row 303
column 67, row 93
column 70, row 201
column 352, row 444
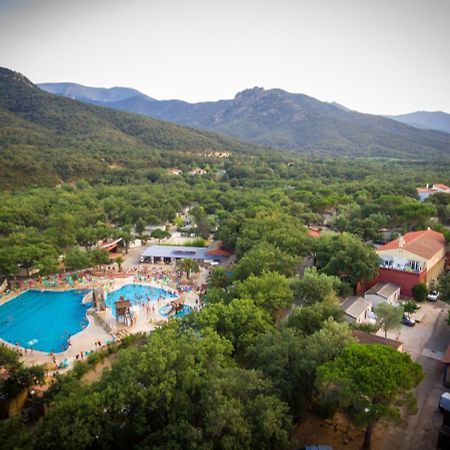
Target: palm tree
column 188, row 266
column 119, row 261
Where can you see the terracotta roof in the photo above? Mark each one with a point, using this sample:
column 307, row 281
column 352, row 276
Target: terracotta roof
column 383, row 289
column 312, row 232
column 367, row 338
column 444, row 187
column 424, row 243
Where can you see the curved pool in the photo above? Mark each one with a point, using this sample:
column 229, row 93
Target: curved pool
column 43, row 320
column 137, row 294
column 164, row 311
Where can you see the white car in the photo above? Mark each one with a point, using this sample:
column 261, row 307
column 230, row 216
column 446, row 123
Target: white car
column 433, row 296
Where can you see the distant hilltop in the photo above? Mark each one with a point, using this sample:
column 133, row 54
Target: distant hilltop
column 279, row 119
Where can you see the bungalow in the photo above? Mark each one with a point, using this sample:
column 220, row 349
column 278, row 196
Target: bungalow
column 357, row 310
column 383, row 293
column 416, row 257
column 431, row 189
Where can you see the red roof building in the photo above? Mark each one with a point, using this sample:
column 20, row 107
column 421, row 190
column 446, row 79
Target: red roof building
column 431, row 189
column 415, row 257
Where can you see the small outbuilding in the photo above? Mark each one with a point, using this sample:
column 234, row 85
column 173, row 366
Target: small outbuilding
column 383, row 293
column 357, row 310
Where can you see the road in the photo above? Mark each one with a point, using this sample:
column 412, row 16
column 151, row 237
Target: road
column 421, row 430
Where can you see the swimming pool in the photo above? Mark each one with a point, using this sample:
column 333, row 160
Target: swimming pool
column 136, row 293
column 164, row 311
column 43, row 320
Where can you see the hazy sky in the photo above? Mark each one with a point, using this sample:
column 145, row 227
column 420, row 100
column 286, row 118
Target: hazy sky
column 379, row 56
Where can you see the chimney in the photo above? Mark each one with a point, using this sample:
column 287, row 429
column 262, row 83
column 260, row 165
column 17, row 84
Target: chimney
column 401, row 242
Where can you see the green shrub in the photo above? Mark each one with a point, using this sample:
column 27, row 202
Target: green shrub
column 420, row 292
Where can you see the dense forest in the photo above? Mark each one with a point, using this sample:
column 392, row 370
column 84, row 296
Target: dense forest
column 270, row 342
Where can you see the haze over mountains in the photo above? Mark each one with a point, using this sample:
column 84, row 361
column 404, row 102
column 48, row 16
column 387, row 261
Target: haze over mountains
column 279, row 119
column 426, row 120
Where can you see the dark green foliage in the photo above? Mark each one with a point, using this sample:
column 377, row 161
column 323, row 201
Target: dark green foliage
column 369, row 383
column 420, row 292
column 444, row 287
column 46, row 138
column 181, row 390
column 17, row 376
column 346, row 256
column 309, row 319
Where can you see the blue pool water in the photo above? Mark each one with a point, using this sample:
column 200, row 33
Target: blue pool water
column 164, row 311
column 136, row 293
column 43, row 320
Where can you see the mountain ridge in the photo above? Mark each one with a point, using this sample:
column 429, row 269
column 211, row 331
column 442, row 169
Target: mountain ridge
column 280, row 119
column 427, row 120
column 47, row 139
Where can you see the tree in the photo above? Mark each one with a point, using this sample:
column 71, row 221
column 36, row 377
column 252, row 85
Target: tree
column 265, row 257
column 119, row 261
column 76, row 259
column 368, row 382
column 241, row 321
column 218, row 278
column 388, row 317
column 309, row 319
column 189, row 265
column 180, row 389
column 269, row 291
column 444, row 287
column 420, row 292
column 314, row 287
column 346, row 256
column 290, row 359
column 140, row 225
column 159, row 234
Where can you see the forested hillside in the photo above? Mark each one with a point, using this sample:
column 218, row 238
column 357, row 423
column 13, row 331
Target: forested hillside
column 45, row 139
column 284, row 120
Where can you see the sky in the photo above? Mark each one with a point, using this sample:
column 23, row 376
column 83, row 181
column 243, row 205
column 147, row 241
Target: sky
column 375, row 56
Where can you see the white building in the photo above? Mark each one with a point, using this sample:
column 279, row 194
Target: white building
column 431, row 189
column 383, row 293
column 357, row 310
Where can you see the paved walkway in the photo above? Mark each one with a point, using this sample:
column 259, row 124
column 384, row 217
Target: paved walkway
column 427, row 344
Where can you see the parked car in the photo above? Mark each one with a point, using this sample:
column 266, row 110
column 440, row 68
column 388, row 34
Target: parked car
column 433, row 296
column 444, row 402
column 406, row 320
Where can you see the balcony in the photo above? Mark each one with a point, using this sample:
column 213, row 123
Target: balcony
column 401, row 267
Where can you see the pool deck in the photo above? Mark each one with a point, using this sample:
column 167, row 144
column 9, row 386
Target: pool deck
column 101, row 321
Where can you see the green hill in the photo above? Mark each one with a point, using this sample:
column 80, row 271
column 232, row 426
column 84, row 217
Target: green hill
column 284, row 120
column 46, row 139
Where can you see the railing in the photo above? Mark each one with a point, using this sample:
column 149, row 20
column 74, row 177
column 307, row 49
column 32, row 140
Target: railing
column 405, row 268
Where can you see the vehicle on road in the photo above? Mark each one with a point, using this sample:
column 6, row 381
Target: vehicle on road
column 444, row 402
column 406, row 320
column 433, row 296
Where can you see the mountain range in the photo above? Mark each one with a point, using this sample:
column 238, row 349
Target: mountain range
column 426, row 120
column 46, row 139
column 279, row 119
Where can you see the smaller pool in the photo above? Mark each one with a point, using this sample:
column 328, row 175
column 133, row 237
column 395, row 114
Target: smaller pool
column 137, row 294
column 165, row 310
